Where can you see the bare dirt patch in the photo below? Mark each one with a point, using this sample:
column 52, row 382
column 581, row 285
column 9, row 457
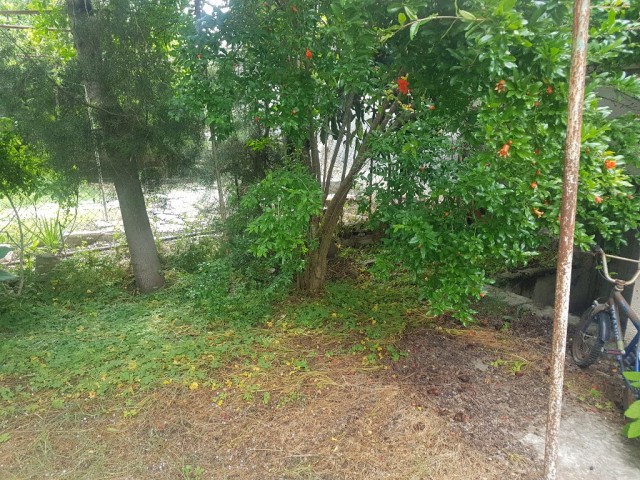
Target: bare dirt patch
column 491, row 383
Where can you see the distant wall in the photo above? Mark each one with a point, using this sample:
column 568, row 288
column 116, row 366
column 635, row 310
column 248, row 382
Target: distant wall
column 540, row 284
column 586, row 283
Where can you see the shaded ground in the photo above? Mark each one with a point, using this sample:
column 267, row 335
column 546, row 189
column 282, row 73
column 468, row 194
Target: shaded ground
column 458, row 405
column 492, row 387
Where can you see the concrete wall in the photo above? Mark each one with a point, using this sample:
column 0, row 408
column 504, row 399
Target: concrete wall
column 586, row 283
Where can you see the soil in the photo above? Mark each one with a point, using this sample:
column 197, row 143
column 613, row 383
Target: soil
column 491, row 384
column 458, row 405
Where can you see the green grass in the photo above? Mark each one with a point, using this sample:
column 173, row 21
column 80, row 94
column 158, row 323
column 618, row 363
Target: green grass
column 81, row 334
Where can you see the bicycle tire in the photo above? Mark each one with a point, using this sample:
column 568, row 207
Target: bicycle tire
column 587, row 343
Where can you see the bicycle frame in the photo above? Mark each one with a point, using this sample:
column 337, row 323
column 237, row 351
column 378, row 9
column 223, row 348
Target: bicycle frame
column 618, row 310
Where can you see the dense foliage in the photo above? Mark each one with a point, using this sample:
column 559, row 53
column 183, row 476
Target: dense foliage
column 22, row 169
column 460, row 107
column 476, row 179
column 453, row 112
column 284, row 201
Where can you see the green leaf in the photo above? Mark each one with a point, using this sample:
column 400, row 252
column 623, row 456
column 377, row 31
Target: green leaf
column 413, row 30
column 634, row 429
column 402, row 18
column 411, row 13
column 416, row 25
column 467, row 15
column 632, row 376
column 634, row 410
column 508, row 5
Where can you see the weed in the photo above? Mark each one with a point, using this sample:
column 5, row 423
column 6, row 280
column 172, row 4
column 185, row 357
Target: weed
column 47, row 233
column 189, row 253
column 189, row 472
column 290, row 397
column 514, row 366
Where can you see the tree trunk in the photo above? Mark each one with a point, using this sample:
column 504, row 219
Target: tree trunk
column 313, row 277
column 215, row 157
column 142, row 247
column 222, row 204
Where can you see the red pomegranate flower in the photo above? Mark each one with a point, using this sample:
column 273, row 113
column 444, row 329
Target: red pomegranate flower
column 308, row 54
column 549, row 89
column 403, row 85
column 597, row 199
column 534, row 185
column 501, row 86
column 504, row 151
column 609, row 163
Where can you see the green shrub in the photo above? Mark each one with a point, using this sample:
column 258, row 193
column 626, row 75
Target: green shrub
column 86, row 274
column 188, row 253
column 284, row 204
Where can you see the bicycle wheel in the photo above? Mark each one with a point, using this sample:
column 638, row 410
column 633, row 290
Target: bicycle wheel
column 587, row 341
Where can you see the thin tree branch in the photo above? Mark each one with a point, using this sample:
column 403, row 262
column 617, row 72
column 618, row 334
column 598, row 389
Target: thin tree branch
column 314, row 155
column 28, row 27
column 23, row 12
column 21, row 233
column 347, row 146
column 345, row 121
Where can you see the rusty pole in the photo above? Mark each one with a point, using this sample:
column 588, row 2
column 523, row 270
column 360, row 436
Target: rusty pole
column 567, row 226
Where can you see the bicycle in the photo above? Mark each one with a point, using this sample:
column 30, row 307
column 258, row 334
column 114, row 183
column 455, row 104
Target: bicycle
column 601, row 321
